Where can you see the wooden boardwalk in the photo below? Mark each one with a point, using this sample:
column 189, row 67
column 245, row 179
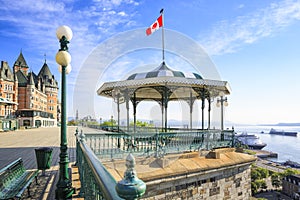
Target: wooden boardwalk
column 22, row 144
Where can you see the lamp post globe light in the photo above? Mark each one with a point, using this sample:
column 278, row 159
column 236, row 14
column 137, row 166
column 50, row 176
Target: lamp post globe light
column 64, row 188
column 222, row 101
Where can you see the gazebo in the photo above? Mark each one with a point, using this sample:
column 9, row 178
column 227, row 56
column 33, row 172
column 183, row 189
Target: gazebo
column 164, row 85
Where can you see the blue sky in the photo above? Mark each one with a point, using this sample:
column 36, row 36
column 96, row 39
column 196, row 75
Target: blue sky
column 253, row 44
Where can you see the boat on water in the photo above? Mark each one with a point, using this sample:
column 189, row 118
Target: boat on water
column 251, row 140
column 288, row 133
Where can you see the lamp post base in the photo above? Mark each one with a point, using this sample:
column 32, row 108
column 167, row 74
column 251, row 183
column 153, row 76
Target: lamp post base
column 64, row 191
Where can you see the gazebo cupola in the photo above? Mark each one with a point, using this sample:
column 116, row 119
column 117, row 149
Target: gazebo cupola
column 164, row 85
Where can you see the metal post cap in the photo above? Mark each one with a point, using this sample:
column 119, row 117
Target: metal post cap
column 130, row 187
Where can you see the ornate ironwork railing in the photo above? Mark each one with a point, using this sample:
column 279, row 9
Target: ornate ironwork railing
column 138, row 129
column 96, row 181
column 114, row 145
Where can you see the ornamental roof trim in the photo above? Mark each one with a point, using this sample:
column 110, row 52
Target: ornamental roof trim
column 164, row 81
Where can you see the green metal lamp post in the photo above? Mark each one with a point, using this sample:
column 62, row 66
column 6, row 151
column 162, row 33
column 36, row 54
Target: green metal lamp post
column 64, row 189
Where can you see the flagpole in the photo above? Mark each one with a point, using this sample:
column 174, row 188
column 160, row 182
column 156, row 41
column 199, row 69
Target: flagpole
column 162, row 35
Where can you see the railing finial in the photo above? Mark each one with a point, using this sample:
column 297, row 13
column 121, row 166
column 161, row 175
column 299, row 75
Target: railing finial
column 82, row 136
column 130, row 187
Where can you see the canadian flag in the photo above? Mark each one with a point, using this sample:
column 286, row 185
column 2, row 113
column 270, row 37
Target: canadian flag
column 155, row 26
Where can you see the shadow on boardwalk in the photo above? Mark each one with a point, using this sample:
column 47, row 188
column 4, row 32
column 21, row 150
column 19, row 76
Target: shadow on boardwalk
column 8, row 155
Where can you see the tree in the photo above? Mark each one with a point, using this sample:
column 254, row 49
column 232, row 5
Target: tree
column 276, row 180
column 263, row 184
column 255, row 175
column 72, row 123
column 109, row 123
column 254, row 188
column 289, row 171
column 264, row 173
column 258, row 175
column 258, row 184
column 141, row 124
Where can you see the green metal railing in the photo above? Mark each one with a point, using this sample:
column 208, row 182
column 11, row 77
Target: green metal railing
column 117, row 145
column 96, row 181
column 137, row 129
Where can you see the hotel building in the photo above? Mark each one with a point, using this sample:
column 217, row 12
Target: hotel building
column 27, row 99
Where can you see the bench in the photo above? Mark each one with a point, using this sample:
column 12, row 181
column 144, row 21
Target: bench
column 15, row 179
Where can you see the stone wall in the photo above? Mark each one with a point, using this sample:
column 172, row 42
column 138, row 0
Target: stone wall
column 232, row 182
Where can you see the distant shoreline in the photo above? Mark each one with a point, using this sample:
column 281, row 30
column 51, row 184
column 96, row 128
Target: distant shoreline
column 280, row 124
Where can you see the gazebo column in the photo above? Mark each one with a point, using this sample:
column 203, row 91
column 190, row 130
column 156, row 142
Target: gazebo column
column 127, row 110
column 202, row 108
column 118, row 108
column 209, row 109
column 162, row 114
column 166, row 100
column 191, row 115
column 166, row 116
column 191, row 103
column 134, row 112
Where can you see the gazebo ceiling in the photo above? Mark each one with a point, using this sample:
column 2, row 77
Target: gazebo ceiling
column 161, row 81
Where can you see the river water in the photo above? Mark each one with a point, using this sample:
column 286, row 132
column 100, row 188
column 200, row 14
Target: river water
column 287, row 147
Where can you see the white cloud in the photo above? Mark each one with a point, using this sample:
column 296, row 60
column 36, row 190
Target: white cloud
column 28, row 6
column 35, row 23
column 122, row 13
column 228, row 36
column 241, row 6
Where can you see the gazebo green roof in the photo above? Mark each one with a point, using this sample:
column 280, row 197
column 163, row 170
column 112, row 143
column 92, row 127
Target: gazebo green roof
column 146, row 84
column 163, row 71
